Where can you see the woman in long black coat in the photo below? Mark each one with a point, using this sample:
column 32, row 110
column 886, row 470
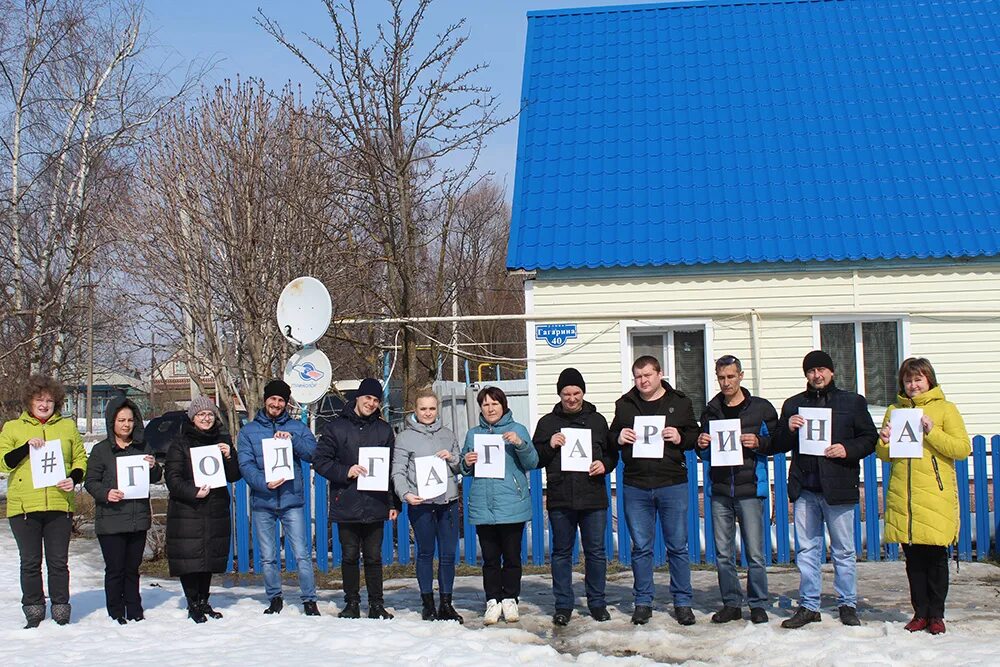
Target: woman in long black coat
column 198, row 523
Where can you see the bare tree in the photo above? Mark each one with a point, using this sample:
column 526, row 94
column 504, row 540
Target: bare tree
column 412, row 124
column 237, row 202
column 80, row 96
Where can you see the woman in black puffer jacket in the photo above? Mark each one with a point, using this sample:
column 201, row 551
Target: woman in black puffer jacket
column 121, row 523
column 198, row 523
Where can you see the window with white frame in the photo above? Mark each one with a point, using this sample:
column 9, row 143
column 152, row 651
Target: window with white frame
column 866, row 356
column 681, row 352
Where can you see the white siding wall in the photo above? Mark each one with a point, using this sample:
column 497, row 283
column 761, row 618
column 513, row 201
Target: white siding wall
column 963, row 346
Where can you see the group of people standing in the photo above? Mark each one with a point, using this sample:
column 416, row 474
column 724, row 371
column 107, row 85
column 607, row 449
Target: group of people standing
column 921, row 510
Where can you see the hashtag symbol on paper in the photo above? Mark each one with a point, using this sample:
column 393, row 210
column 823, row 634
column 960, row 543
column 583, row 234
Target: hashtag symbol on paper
column 49, row 462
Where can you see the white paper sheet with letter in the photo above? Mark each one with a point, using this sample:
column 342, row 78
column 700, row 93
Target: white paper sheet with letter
column 376, row 461
column 206, row 464
column 492, row 461
column 132, row 476
column 815, row 434
column 278, row 460
column 578, row 452
column 906, row 439
column 48, row 467
column 432, row 476
column 648, row 437
column 725, row 446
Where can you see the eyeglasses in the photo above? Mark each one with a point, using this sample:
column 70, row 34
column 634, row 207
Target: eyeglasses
column 204, row 415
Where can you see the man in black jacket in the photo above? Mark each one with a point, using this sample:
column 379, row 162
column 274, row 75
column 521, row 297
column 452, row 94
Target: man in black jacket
column 576, row 499
column 360, row 515
column 656, row 486
column 825, row 488
column 737, row 491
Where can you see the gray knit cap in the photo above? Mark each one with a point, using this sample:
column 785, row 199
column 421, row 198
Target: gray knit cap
column 201, row 404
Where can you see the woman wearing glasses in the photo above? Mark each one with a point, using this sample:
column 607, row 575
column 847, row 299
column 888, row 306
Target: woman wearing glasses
column 198, row 524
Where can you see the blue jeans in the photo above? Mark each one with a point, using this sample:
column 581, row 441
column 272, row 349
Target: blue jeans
column 435, row 525
column 725, row 512
column 641, row 509
column 592, row 524
column 293, row 524
column 811, row 512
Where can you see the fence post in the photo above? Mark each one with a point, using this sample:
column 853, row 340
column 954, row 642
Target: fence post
column 891, row 550
column 982, row 498
column 609, row 529
column 322, row 525
column 242, row 528
column 403, row 534
column 694, row 535
column 874, row 550
column 706, row 467
column 995, row 446
column 624, row 540
column 537, row 518
column 765, row 515
column 781, row 507
column 470, row 530
column 964, row 511
column 307, row 484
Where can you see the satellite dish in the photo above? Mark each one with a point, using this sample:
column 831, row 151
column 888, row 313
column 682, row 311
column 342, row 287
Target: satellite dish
column 308, row 373
column 304, row 310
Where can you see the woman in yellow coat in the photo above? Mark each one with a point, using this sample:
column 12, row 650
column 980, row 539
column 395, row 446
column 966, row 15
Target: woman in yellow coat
column 922, row 507
column 41, row 519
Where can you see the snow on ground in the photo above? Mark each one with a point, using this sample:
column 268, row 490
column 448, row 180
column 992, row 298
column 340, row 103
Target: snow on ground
column 246, row 636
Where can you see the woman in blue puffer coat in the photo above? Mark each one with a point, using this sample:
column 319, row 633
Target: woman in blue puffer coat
column 498, row 507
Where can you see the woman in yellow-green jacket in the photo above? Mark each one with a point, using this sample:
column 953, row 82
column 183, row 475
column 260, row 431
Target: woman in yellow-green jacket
column 922, row 505
column 42, row 516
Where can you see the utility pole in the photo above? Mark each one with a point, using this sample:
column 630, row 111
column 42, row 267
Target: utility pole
column 454, row 332
column 152, row 372
column 90, row 352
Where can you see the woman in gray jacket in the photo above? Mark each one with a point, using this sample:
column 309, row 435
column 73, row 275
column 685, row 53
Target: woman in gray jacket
column 434, row 520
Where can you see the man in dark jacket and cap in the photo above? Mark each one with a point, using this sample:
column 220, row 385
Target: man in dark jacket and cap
column 280, row 500
column 824, row 489
column 576, row 499
column 737, row 491
column 657, row 486
column 360, row 515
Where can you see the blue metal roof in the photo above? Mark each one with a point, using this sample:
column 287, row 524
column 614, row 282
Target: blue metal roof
column 717, row 133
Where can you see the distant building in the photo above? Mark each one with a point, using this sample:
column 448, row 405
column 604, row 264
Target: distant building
column 171, row 383
column 108, row 384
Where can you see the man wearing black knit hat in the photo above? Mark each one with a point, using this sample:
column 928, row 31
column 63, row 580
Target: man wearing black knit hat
column 576, row 499
column 360, row 515
column 824, row 488
column 280, row 499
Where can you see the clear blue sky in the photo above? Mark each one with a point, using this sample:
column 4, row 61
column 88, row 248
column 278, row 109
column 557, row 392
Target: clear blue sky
column 224, row 30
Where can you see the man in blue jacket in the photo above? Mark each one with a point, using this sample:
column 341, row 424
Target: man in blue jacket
column 738, row 490
column 279, row 500
column 360, row 515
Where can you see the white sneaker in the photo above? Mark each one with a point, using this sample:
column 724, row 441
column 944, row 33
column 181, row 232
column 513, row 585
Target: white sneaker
column 493, row 612
column 510, row 613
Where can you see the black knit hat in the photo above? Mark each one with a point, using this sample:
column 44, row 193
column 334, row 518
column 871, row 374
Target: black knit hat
column 817, row 359
column 277, row 388
column 570, row 377
column 370, row 387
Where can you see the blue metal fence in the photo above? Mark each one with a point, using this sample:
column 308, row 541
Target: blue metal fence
column 975, row 529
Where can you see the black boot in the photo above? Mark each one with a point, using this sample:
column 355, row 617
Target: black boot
column 376, row 609
column 428, row 613
column 352, row 609
column 207, row 609
column 34, row 614
column 60, row 613
column 194, row 611
column 446, row 612
column 276, row 605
